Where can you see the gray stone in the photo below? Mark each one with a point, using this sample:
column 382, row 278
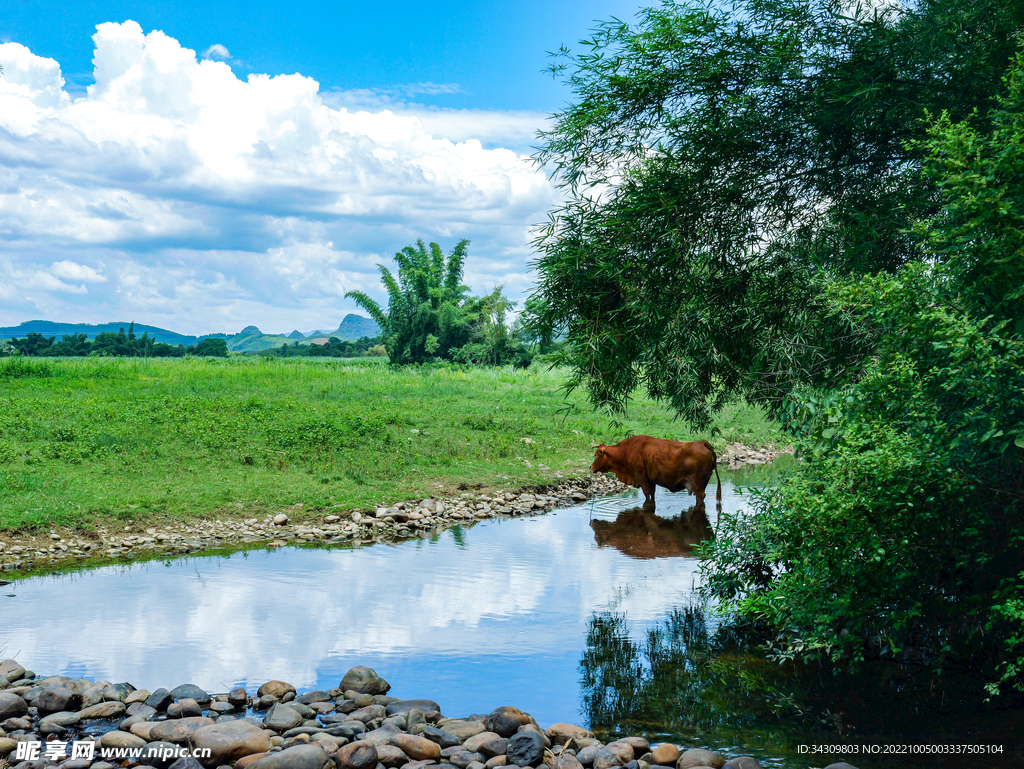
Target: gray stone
column 297, row 757
column 525, row 748
column 613, row 754
column 191, row 692
column 463, row 728
column 57, row 698
column 303, row 710
column 567, row 761
column 364, row 680
column 229, row 741
column 139, row 695
column 11, row 670
column 119, row 739
column 404, row 706
column 506, row 720
column 561, row 733
column 266, row 702
column 488, row 743
column 91, row 695
column 186, row 762
column 11, row 705
column 389, row 755
column 356, row 755
column 441, row 737
column 368, row 713
column 159, row 754
column 140, row 709
column 160, row 699
column 117, row 691
column 463, row 758
column 639, row 744
column 276, row 689
column 238, row 697
column 62, row 719
column 381, row 736
column 183, row 708
column 745, row 762
column 102, row 710
column 179, row 730
column 315, row 696
column 699, row 757
column 281, row 718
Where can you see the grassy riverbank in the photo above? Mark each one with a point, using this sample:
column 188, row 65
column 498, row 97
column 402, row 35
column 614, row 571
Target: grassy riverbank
column 90, row 440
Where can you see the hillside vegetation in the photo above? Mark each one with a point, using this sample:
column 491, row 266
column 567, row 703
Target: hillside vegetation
column 88, row 439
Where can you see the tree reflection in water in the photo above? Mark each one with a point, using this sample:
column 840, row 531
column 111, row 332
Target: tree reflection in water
column 695, row 682
column 687, row 680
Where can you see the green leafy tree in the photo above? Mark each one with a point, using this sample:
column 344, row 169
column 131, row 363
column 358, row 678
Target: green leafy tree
column 902, row 537
column 431, row 317
column 423, row 317
column 217, row 348
column 721, row 164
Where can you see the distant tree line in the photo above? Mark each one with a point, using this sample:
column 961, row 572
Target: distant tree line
column 109, row 345
column 367, row 346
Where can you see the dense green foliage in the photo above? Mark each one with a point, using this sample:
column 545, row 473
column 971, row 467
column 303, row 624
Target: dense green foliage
column 903, row 535
column 722, row 164
column 97, row 438
column 334, row 348
column 431, row 317
column 110, row 344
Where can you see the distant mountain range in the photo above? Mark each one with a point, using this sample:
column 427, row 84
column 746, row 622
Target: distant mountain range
column 249, row 339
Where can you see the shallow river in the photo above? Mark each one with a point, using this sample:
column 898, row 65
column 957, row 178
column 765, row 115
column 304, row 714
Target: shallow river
column 552, row 614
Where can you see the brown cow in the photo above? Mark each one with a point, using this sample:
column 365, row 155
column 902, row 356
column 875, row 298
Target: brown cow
column 647, row 462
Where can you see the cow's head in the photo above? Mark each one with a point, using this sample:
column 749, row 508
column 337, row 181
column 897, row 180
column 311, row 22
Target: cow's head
column 601, row 462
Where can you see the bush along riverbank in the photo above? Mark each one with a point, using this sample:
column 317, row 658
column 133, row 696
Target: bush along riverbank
column 76, row 724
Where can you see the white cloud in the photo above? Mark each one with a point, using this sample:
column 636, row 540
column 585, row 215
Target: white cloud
column 176, row 191
column 217, row 51
column 74, row 271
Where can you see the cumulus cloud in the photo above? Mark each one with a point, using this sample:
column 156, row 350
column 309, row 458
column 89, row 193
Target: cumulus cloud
column 175, row 191
column 217, row 51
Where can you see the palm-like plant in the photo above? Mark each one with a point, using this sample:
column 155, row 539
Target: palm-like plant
column 425, row 317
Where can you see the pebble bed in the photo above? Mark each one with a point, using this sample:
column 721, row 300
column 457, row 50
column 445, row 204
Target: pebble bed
column 355, row 726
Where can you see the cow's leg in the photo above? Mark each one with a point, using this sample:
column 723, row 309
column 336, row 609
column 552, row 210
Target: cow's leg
column 699, row 493
column 648, row 489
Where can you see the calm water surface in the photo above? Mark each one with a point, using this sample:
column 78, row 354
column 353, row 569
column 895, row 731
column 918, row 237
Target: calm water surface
column 570, row 616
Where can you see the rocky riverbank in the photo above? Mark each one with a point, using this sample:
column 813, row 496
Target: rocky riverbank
column 402, row 520
column 78, row 724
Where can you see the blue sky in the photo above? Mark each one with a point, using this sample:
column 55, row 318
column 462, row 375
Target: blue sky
column 493, row 52
column 207, row 166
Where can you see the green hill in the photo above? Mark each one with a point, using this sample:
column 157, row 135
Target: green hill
column 250, row 339
column 91, row 330
column 354, row 327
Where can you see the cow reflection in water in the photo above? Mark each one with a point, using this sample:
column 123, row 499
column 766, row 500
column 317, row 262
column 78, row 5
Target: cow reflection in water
column 639, row 533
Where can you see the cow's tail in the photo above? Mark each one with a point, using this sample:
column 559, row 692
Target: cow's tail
column 714, row 456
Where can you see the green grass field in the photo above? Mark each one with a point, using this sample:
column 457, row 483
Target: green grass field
column 88, row 440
